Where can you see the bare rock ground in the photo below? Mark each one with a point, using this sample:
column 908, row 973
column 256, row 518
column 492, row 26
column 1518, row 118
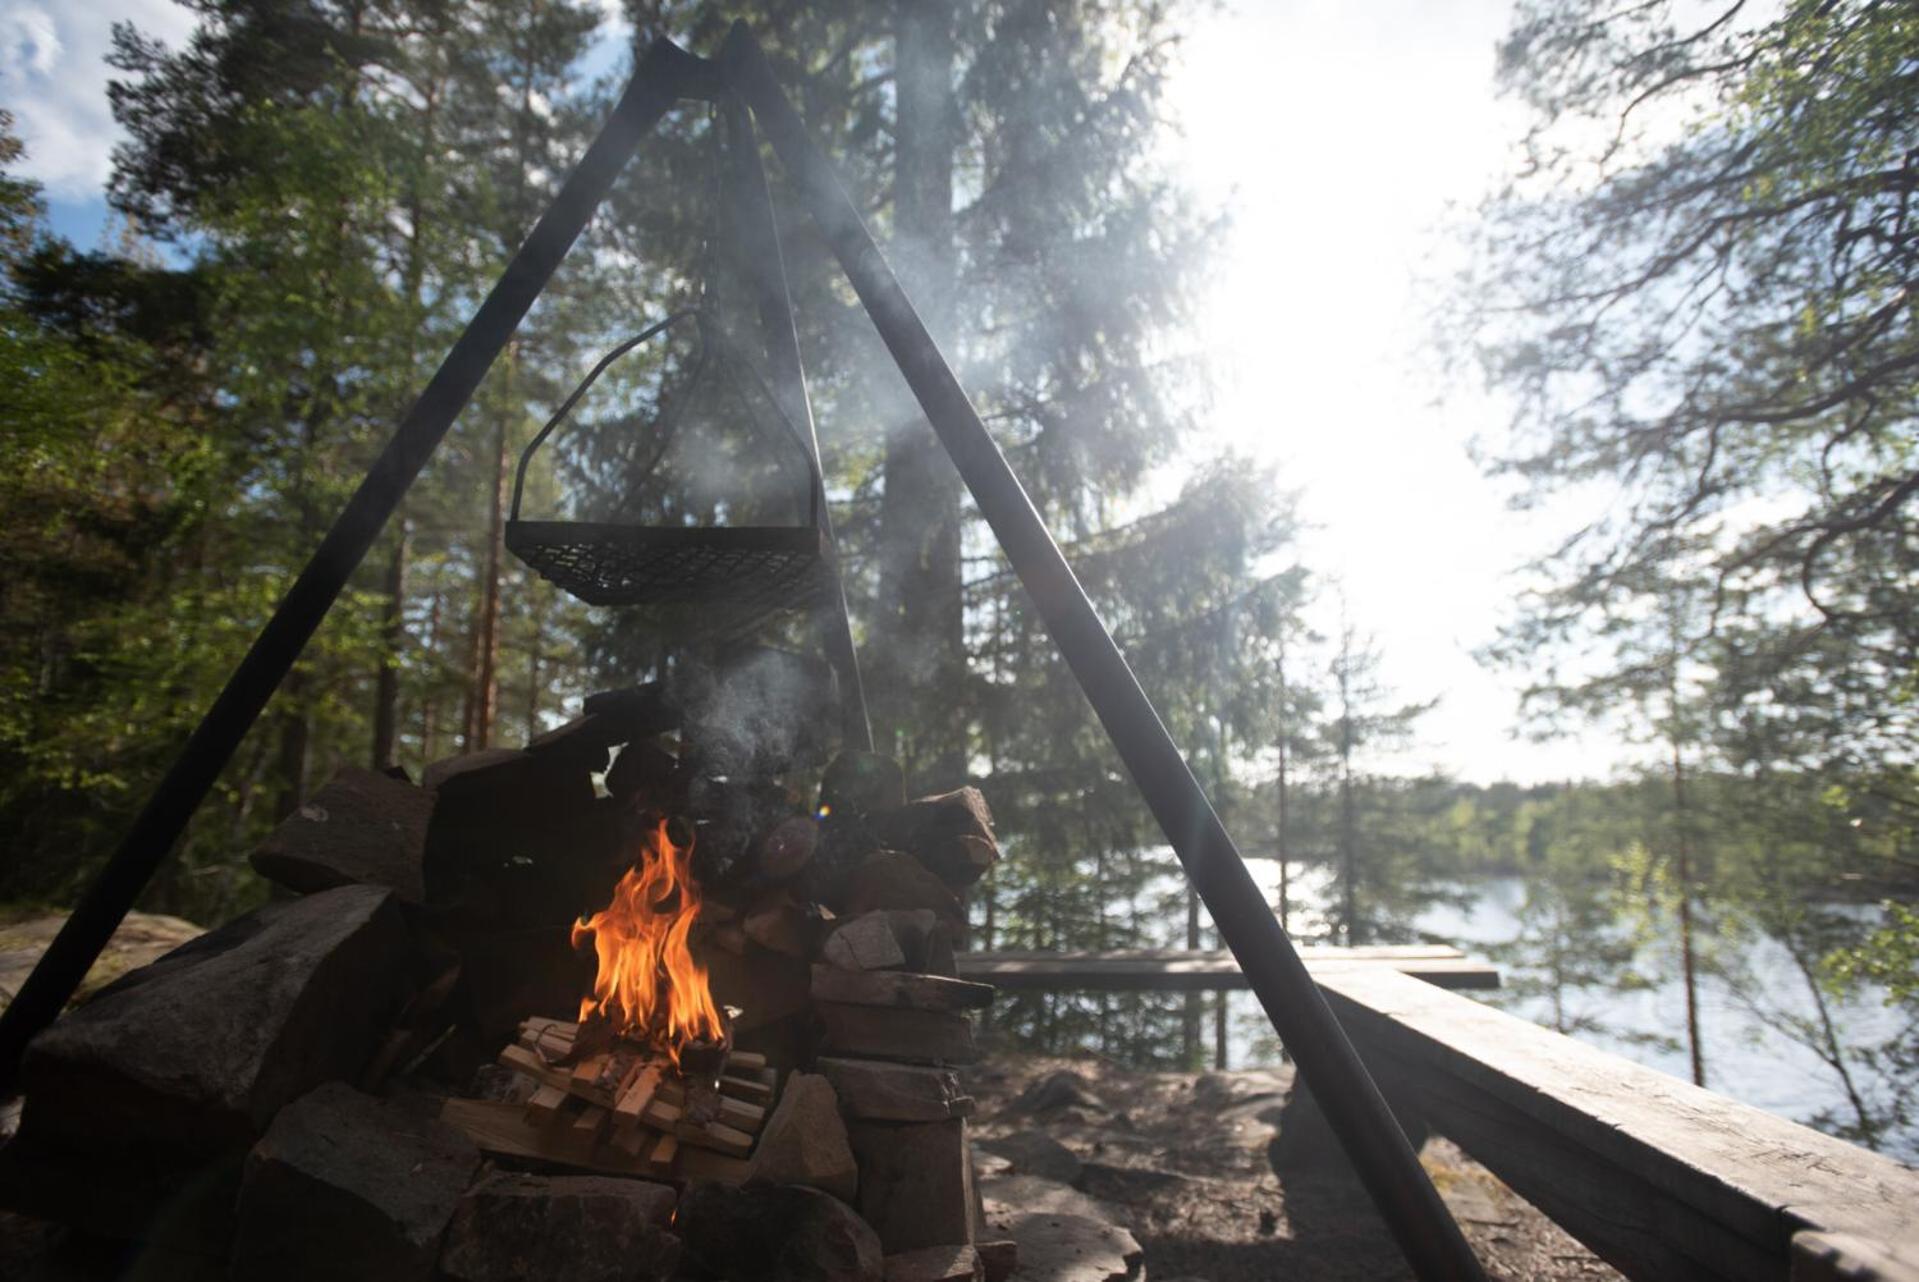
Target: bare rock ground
column 1180, row 1159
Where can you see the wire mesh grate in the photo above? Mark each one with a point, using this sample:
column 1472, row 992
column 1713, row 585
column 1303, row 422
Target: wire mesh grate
column 728, row 575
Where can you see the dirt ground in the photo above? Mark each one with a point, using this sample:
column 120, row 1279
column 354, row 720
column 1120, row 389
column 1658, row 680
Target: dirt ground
column 1180, row 1159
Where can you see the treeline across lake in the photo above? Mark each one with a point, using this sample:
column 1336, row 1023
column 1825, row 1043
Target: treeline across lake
column 1792, row 927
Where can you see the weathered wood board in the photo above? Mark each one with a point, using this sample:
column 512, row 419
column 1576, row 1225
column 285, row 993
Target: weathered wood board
column 1184, row 970
column 1659, row 1177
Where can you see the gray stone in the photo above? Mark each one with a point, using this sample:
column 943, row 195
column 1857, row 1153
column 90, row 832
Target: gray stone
column 1005, row 1196
column 1073, row 1248
column 344, row 1186
column 890, row 879
column 999, row 1258
column 804, row 1141
column 916, row 1182
column 1061, row 1089
column 912, row 1036
column 936, row 1264
column 876, row 1091
column 563, row 1228
column 899, row 988
column 363, row 828
column 1036, row 1153
column 951, row 834
column 200, row 1049
column 866, row 943
column 777, row 1233
column 447, row 768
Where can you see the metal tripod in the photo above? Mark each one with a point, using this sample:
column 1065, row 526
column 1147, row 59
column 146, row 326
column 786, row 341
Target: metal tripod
column 1354, row 1108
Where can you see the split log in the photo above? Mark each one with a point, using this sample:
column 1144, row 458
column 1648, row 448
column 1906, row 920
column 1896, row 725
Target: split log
column 544, row 1106
column 733, row 1112
column 718, row 1136
column 502, row 1128
column 638, row 1094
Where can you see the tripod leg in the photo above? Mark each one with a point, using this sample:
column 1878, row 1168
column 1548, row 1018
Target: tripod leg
column 1425, row 1230
column 664, row 75
column 752, row 206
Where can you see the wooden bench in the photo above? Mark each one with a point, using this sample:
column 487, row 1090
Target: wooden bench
column 1659, row 1177
column 1207, row 970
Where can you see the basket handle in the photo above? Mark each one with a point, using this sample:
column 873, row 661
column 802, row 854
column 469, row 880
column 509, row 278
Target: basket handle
column 708, row 331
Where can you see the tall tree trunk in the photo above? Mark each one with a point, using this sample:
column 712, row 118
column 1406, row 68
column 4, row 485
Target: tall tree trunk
column 485, row 700
column 1688, row 965
column 386, row 691
column 295, row 744
column 1279, row 790
column 542, row 599
column 921, row 655
column 1189, row 1024
column 1348, row 805
column 1219, row 799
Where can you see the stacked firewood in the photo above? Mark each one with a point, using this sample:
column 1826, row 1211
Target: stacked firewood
column 623, row 1109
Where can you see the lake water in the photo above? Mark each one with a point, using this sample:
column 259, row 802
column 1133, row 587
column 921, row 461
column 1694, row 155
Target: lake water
column 1745, row 1056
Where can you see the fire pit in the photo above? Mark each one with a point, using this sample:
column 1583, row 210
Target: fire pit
column 508, row 999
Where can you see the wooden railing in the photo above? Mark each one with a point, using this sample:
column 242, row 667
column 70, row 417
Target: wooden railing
column 1658, row 1177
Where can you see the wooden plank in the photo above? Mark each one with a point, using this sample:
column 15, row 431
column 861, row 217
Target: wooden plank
column 734, row 1112
column 590, row 1122
column 717, row 1136
column 501, row 1128
column 587, row 1075
column 750, row 1089
column 522, row 1060
column 633, row 1141
column 1206, row 970
column 705, row 1164
column 665, row 1149
column 744, row 1062
column 545, row 1104
column 1659, row 1177
column 638, row 1094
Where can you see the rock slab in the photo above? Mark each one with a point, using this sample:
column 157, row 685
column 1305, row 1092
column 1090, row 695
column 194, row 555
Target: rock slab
column 565, row 1228
column 804, row 1141
column 901, row 1033
column 916, row 1182
column 1073, row 1248
column 344, row 1186
column 898, row 988
column 200, row 1049
column 363, row 828
column 777, row 1233
column 1036, row 1153
column 951, row 834
column 876, row 1091
column 936, row 1264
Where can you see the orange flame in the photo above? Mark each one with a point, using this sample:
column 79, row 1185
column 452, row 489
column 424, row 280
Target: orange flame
column 649, row 988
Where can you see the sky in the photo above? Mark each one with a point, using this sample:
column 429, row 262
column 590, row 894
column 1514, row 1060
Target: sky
column 1342, row 138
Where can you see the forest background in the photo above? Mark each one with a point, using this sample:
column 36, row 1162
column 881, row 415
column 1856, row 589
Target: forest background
column 1695, row 291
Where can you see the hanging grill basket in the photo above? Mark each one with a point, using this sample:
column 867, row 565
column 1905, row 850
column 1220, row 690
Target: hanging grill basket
column 714, row 577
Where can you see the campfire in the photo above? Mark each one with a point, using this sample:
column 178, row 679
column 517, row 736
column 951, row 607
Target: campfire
column 649, row 989
column 648, row 1066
